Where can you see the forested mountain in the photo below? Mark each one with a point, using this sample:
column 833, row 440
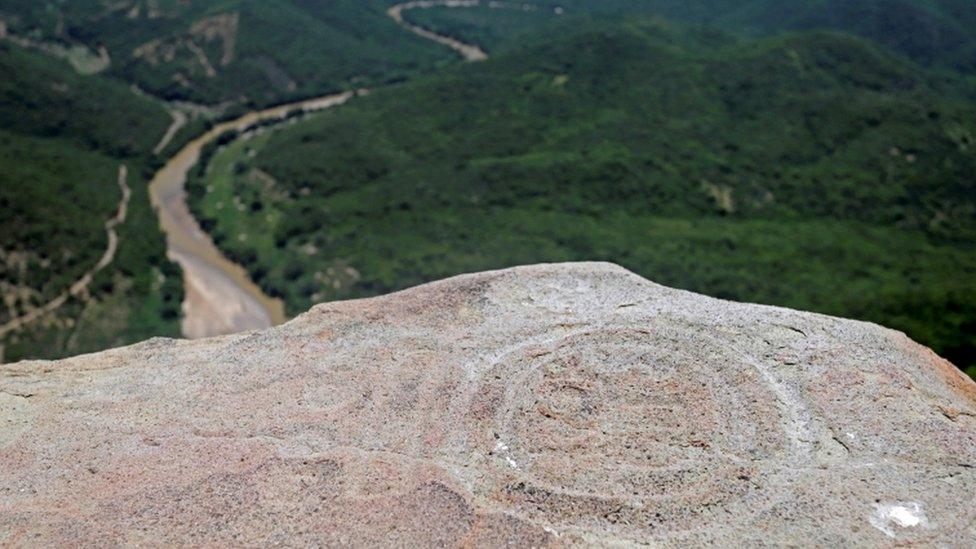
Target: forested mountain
column 934, row 33
column 811, row 170
column 266, row 51
column 63, row 138
column 262, row 51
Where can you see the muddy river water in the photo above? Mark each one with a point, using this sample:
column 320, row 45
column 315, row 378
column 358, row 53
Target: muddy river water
column 220, row 297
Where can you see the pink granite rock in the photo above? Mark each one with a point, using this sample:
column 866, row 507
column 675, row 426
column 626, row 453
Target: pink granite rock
column 572, row 404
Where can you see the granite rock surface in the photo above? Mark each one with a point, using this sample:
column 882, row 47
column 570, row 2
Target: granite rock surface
column 574, row 404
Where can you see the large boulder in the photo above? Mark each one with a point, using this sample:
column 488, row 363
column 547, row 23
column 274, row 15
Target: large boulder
column 554, row 404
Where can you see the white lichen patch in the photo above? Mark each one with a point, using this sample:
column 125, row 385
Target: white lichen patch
column 888, row 517
column 502, row 450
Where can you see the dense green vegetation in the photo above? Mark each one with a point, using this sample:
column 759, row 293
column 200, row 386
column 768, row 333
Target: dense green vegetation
column 62, row 141
column 809, row 170
column 829, row 170
column 258, row 51
column 43, row 97
column 494, row 29
column 937, row 33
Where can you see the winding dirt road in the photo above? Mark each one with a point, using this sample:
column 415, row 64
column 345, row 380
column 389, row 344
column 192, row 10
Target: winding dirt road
column 470, row 52
column 179, row 120
column 81, row 285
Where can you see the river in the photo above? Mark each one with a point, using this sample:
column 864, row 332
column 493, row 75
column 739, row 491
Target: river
column 220, row 297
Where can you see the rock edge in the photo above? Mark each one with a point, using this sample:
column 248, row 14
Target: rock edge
column 571, row 404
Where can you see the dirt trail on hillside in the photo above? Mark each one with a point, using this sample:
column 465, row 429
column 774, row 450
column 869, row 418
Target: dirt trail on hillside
column 179, row 120
column 81, row 285
column 470, row 52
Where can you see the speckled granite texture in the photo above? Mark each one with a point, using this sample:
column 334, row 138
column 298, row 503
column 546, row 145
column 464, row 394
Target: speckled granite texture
column 574, row 404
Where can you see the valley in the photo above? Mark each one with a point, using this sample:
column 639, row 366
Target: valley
column 553, row 153
column 220, row 297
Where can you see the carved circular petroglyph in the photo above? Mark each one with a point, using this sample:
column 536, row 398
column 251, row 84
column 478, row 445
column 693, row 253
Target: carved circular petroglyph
column 634, row 429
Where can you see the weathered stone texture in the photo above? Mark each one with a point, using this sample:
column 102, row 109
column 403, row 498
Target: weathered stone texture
column 546, row 405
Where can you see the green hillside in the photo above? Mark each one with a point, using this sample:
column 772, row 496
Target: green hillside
column 62, row 141
column 935, row 33
column 262, row 51
column 811, row 170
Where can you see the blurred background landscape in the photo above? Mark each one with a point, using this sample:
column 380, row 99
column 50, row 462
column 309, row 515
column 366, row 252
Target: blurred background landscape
column 818, row 155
